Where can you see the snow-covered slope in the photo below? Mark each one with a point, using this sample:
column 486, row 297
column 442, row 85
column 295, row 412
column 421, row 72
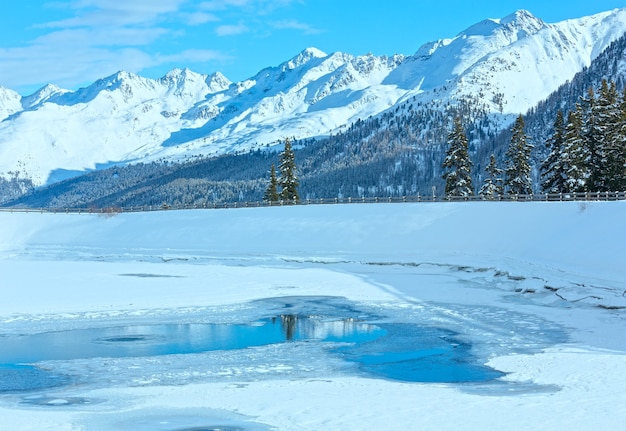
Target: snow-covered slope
column 9, row 103
column 509, row 63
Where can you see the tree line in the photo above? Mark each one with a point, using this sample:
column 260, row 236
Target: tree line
column 587, row 152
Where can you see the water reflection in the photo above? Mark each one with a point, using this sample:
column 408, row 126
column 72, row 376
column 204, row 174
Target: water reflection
column 167, row 339
column 288, row 322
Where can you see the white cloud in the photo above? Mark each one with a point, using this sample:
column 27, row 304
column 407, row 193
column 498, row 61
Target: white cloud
column 219, row 5
column 93, row 38
column 89, row 13
column 100, row 37
column 198, row 18
column 81, row 65
column 256, row 7
column 296, row 25
column 231, row 30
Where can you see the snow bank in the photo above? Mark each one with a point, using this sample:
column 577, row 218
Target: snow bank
column 582, row 238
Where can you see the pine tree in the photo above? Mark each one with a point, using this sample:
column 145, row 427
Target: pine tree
column 457, row 163
column 288, row 177
column 615, row 150
column 517, row 173
column 574, row 153
column 492, row 186
column 553, row 168
column 601, row 118
column 271, row 193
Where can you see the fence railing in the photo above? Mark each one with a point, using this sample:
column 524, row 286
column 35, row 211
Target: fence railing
column 545, row 197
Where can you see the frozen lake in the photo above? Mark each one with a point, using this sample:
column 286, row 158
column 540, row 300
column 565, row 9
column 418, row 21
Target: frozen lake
column 305, row 318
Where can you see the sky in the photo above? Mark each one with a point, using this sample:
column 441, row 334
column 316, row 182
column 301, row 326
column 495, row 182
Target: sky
column 72, row 43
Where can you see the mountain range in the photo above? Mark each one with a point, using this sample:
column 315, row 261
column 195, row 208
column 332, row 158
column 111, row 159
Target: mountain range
column 504, row 66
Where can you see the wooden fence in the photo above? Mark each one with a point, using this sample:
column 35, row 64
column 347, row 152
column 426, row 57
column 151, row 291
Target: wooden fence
column 547, row 197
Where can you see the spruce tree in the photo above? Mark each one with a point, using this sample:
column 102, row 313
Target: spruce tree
column 517, row 173
column 271, row 193
column 574, row 153
column 288, row 177
column 601, row 118
column 492, row 186
column 457, row 163
column 553, row 168
column 615, row 149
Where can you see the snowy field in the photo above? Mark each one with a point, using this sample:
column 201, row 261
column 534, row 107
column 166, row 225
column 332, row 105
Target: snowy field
column 536, row 292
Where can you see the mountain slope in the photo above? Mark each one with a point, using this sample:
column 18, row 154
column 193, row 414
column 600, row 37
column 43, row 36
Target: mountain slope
column 10, row 103
column 507, row 65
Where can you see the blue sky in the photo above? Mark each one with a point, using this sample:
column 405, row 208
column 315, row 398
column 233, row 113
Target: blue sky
column 71, row 43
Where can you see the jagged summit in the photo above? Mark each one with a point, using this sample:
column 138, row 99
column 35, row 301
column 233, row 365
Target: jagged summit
column 519, row 21
column 179, row 77
column 185, row 77
column 484, row 28
column 523, row 21
column 42, row 95
column 522, row 17
column 312, row 52
column 119, row 76
column 510, row 28
column 184, row 73
column 304, row 57
column 218, row 82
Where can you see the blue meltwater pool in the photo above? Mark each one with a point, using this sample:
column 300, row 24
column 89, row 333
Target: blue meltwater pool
column 406, row 352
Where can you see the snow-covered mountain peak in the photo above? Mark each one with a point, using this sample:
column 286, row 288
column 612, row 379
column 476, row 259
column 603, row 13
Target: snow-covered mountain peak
column 483, row 28
column 118, row 77
column 429, row 48
column 180, row 78
column 218, row 82
column 523, row 18
column 304, row 57
column 188, row 82
column 192, row 85
column 523, row 24
column 437, row 63
column 483, row 37
column 514, row 26
column 126, row 81
column 178, row 74
column 42, row 95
